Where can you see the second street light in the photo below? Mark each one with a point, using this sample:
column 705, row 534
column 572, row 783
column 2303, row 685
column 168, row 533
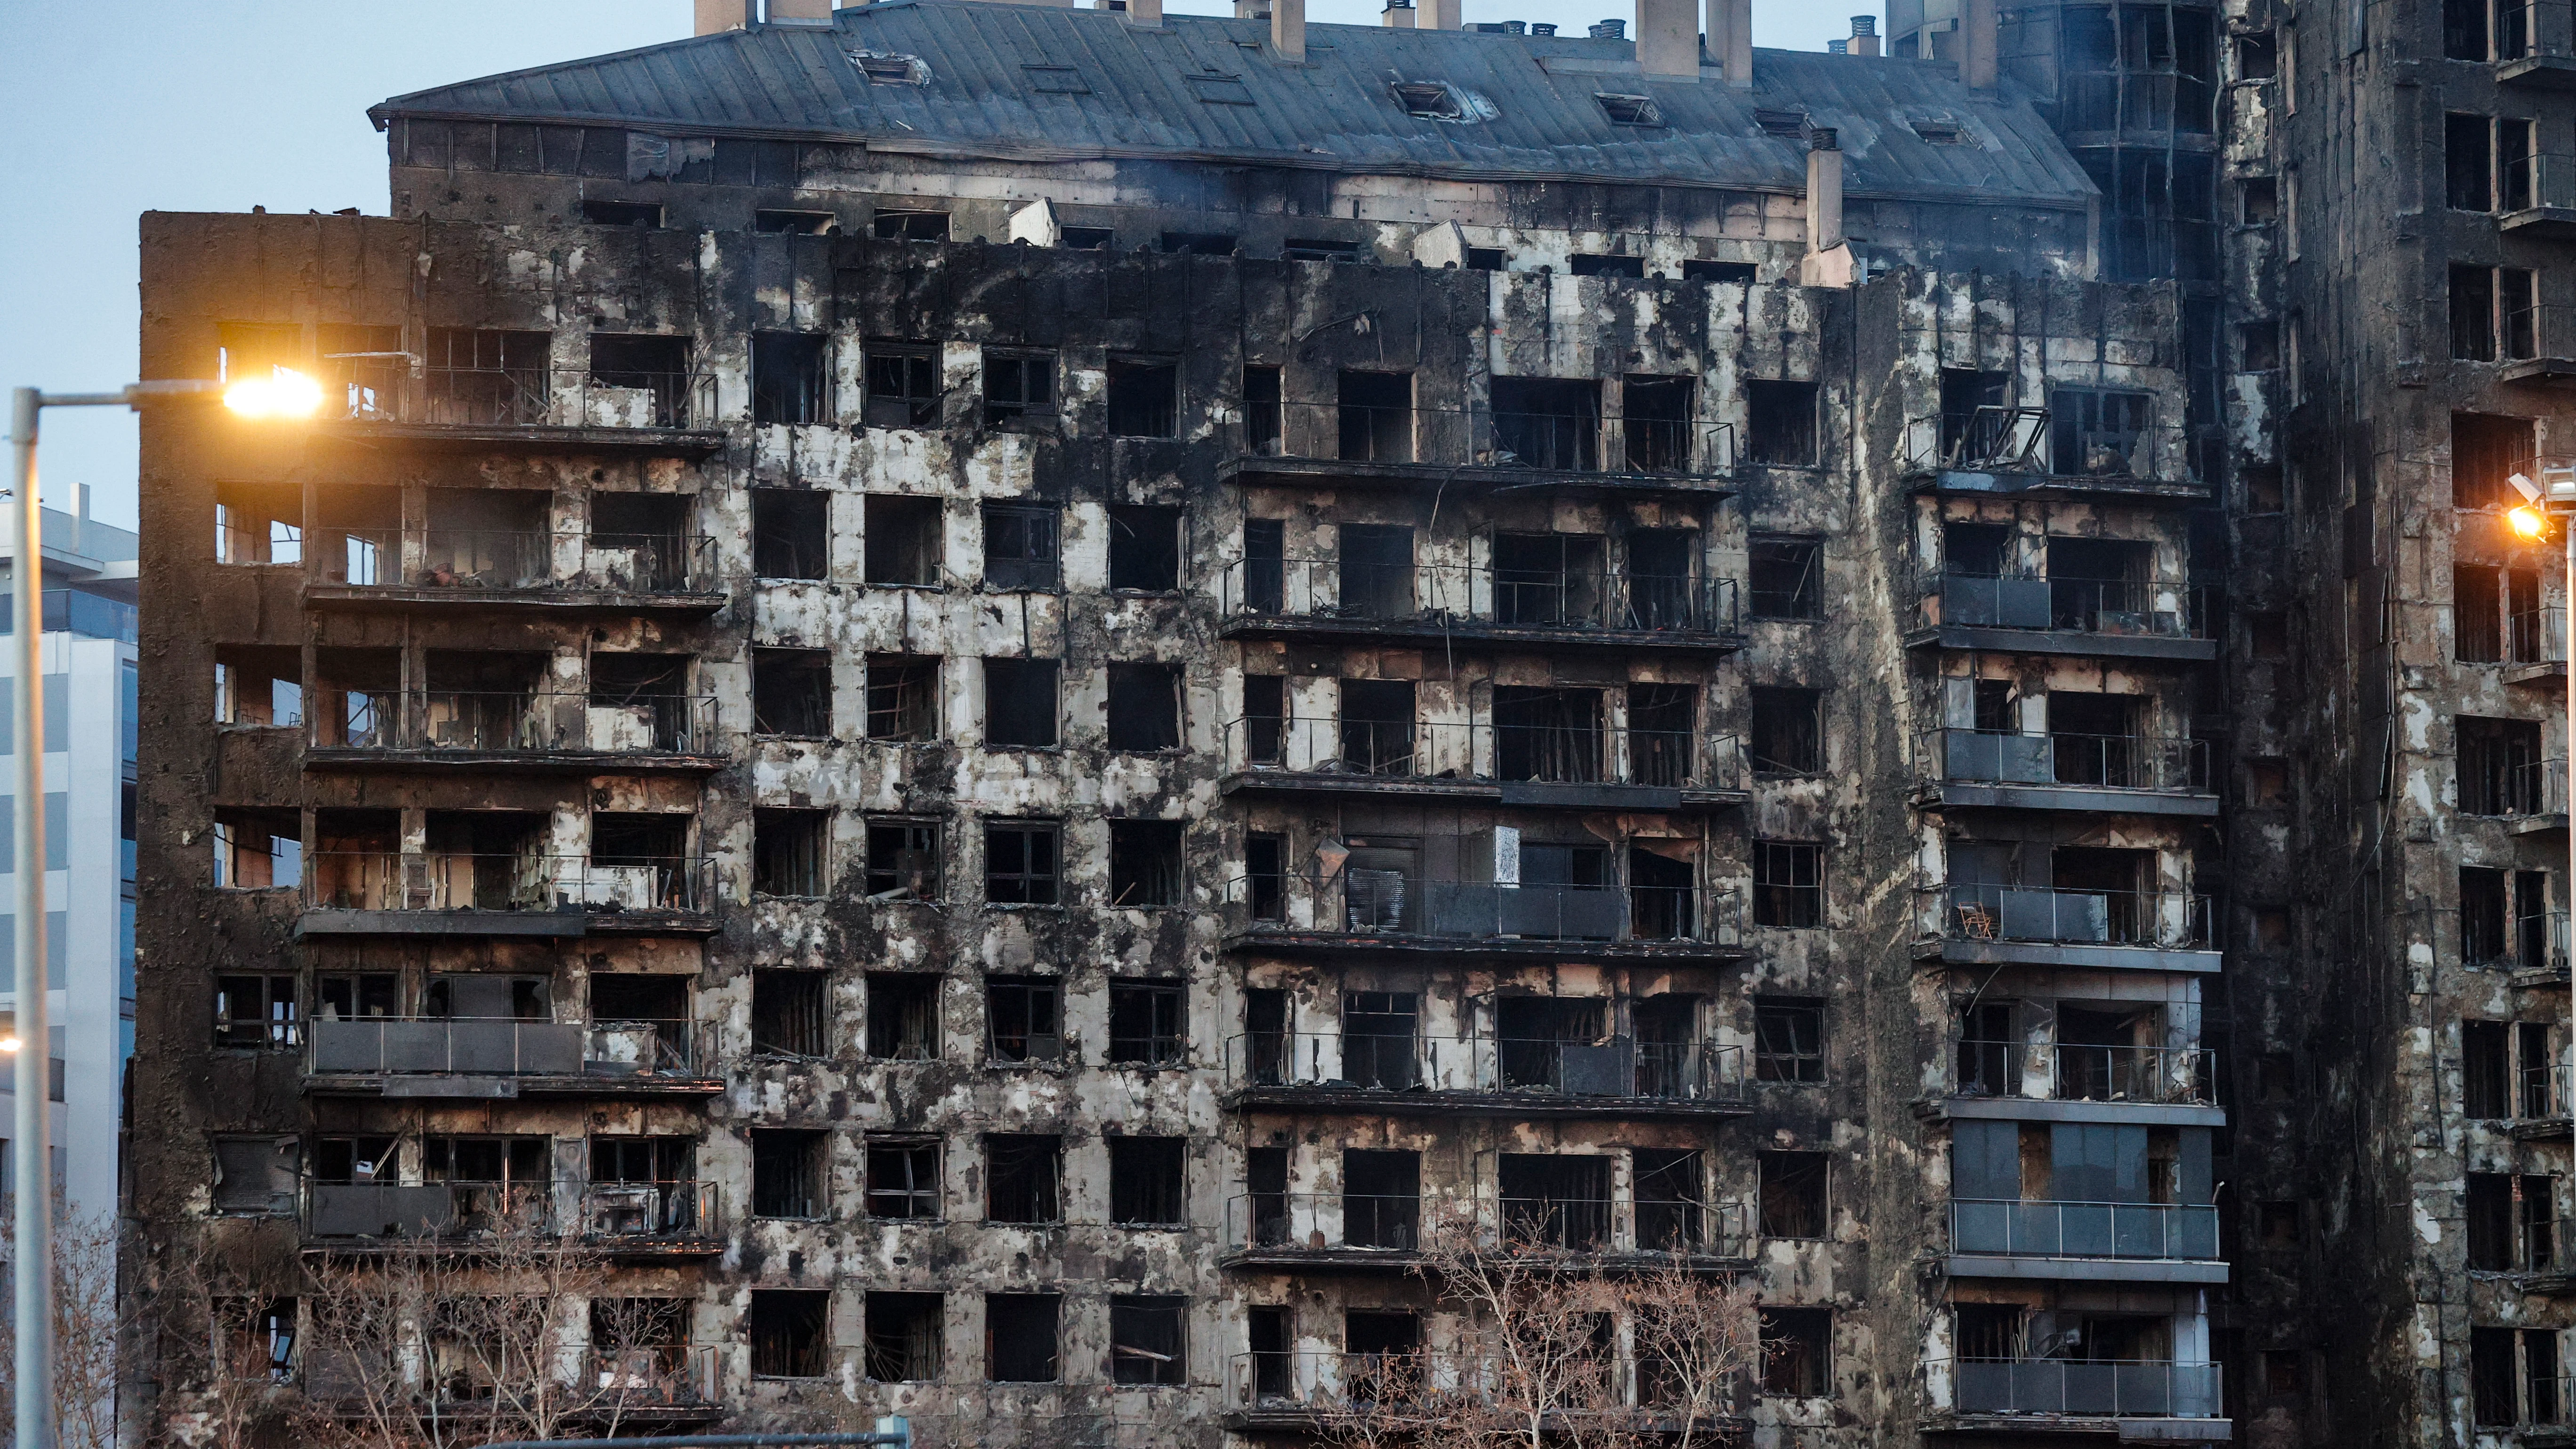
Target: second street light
column 281, row 394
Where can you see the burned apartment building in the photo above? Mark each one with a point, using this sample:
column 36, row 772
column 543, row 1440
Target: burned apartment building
column 1004, row 692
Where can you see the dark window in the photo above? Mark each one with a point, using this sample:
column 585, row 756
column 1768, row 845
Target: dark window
column 1020, row 547
column 1144, row 547
column 2518, row 301
column 903, row 1017
column 1148, row 1026
column 1144, row 398
column 257, row 1012
column 789, row 1173
column 1780, row 423
column 1144, row 706
column 1024, row 1018
column 1788, row 884
column 2477, row 614
column 482, row 376
column 2517, row 157
column 1266, row 876
column 1085, row 238
column 2258, row 201
column 2464, row 29
column 2094, row 433
column 2258, row 57
column 2486, row 1071
column 790, row 381
column 1020, row 1337
column 791, row 692
column 1796, row 1348
column 1655, row 419
column 2490, row 1214
column 1485, row 259
column 621, row 213
column 790, row 1333
column 1020, row 863
column 905, row 1334
column 2494, row 1404
column 1022, row 1174
column 1736, row 274
column 1018, row 385
column 1788, row 732
column 1548, row 422
column 1788, row 1040
column 2276, row 1225
column 903, row 1178
column 1375, row 416
column 2473, row 303
column 1146, row 1340
column 2482, row 917
column 790, row 533
column 903, row 856
column 1630, row 110
column 654, row 365
column 2485, row 451
column 1381, row 1198
column 1555, row 1200
column 1261, row 410
column 1198, row 243
column 789, row 850
column 904, row 385
column 2468, row 165
column 257, row 1175
column 1592, row 264
column 904, row 544
column 2500, row 766
column 2525, row 642
column 909, row 225
column 1314, row 249
column 1145, row 1181
column 1020, row 704
column 790, row 1014
column 1784, row 577
column 903, row 698
column 1145, row 863
column 1670, row 1186
column 795, row 223
column 1793, row 1194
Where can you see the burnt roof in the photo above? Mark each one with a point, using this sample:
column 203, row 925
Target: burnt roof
column 1205, row 88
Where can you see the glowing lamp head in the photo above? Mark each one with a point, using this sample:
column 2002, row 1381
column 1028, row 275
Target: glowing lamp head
column 285, row 393
column 2528, row 521
column 8, row 1043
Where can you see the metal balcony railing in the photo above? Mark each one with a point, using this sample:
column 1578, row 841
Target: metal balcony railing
column 2040, row 440
column 445, row 881
column 2109, row 762
column 1483, row 438
column 2521, row 788
column 2023, row 1229
column 1576, row 599
column 516, row 722
column 508, row 560
column 1405, row 904
column 2169, row 920
column 488, row 1046
column 1392, row 1223
column 1368, row 1222
column 2074, row 1072
column 656, row 1211
column 1323, row 1380
column 2542, row 1093
column 1610, row 1066
column 1559, row 754
column 529, row 397
column 656, row 1376
column 2124, row 608
column 2138, row 1389
column 430, row 1210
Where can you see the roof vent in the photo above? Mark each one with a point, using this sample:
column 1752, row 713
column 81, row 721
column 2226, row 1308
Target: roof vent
column 1541, row 27
column 884, row 68
column 1631, row 110
column 1513, row 27
column 1837, row 47
column 1781, row 123
column 1940, row 130
column 1490, row 27
column 1609, row 30
column 1864, row 25
column 1430, row 100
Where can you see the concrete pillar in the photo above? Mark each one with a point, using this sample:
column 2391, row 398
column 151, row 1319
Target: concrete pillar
column 718, row 16
column 1864, row 36
column 1824, row 190
column 1730, row 39
column 800, row 12
column 1288, row 29
column 1147, row 14
column 1399, row 15
column 1668, row 38
column 1439, row 15
column 1978, row 40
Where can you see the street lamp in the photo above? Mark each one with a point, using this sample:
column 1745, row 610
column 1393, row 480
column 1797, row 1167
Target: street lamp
column 282, row 394
column 2554, row 499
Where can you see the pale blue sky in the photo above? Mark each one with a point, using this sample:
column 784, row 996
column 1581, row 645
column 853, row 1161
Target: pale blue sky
column 109, row 108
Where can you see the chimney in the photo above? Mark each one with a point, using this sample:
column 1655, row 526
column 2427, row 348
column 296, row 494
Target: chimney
column 800, row 12
column 1288, row 29
column 1730, row 40
column 1837, row 47
column 1864, row 36
column 1145, row 14
column 1398, row 15
column 1977, row 41
column 718, row 16
column 1668, row 38
column 1828, row 262
column 1609, row 30
column 1437, row 15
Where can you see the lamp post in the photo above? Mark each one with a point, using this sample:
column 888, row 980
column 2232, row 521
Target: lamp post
column 2554, row 498
column 282, row 394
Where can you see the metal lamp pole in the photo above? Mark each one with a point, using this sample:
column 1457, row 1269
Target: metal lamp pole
column 31, row 1162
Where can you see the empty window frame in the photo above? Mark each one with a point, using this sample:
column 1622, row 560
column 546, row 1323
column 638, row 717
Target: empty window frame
column 1624, row 110
column 790, row 1333
column 1784, row 576
column 791, row 378
column 1145, row 864
column 1655, row 421
column 903, row 698
column 1021, row 546
column 790, row 852
column 903, row 1016
column 1787, row 738
column 1780, row 423
column 1147, row 1181
column 621, row 213
column 2159, row 213
column 1796, row 1352
column 908, row 225
column 2097, row 433
column 905, row 1337
column 2500, row 768
column 1595, row 264
column 1018, row 385
column 1020, row 704
column 1147, row 1339
column 2486, row 450
column 903, row 859
column 2494, row 313
column 2139, row 67
column 1794, row 1201
column 1144, row 398
column 1731, row 274
column 1148, row 1023
column 2468, row 163
column 1788, row 1039
column 1022, row 862
column 1144, row 548
column 255, row 1175
column 905, row 389
column 1199, row 243
column 258, row 524
column 1024, row 1018
column 1020, row 1332
column 790, row 533
column 794, row 223
column 1023, row 1174
column 790, row 1173
column 257, row 1012
column 791, row 692
column 1788, row 884
column 791, row 1013
column 905, row 547
column 1265, row 875
column 903, row 1178
column 1144, row 706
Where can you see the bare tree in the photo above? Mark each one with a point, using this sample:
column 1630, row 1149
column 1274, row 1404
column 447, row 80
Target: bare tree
column 86, row 1337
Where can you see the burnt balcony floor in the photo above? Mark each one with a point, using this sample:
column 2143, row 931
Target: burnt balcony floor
column 2090, row 799
column 554, row 599
column 1997, row 639
column 1418, row 632
column 2039, row 1428
column 613, row 442
column 1979, row 951
column 2032, row 484
column 1429, row 1101
column 1294, row 942
column 1531, row 794
column 494, row 1086
column 1273, row 471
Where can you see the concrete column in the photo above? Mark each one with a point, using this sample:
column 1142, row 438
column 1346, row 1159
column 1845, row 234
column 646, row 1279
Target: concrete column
column 1977, row 43
column 1668, row 38
column 718, row 16
column 1399, row 15
column 1730, row 39
column 1824, row 190
column 1439, row 15
column 1288, row 29
column 1146, row 14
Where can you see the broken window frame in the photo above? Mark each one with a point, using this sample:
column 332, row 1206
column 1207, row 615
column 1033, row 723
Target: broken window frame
column 922, row 1356
column 799, row 1027
column 903, row 1023
column 784, row 1349
column 1029, row 874
column 1040, row 1199
column 1023, row 547
column 790, row 533
column 1142, row 398
column 1144, row 707
column 1148, row 1340
column 1156, row 558
column 1019, row 384
column 909, row 1189
column 910, row 224
column 791, row 853
column 1788, row 884
column 1149, row 1181
column 1148, row 865
column 1786, row 736
column 1804, row 600
column 804, row 1155
column 791, row 379
column 1789, row 1039
column 1024, row 1021
column 1805, row 1183
column 913, row 862
column 904, row 386
column 791, row 693
column 1164, row 1041
column 257, row 1011
column 904, row 543
column 1796, row 1352
column 1783, row 423
column 911, row 695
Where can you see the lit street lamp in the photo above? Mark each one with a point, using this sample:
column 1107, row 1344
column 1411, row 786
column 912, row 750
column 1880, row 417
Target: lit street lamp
column 281, row 395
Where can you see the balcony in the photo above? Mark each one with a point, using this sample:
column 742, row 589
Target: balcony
column 422, row 1057
column 1392, row 913
column 2044, row 1071
column 1396, row 1075
column 507, row 730
column 396, row 1214
column 2034, row 452
column 651, row 1383
column 2099, row 1242
column 552, row 409
column 2095, row 618
column 2039, row 926
column 1348, row 1232
column 2541, row 1108
column 553, row 569
column 652, row 1219
column 2061, row 1395
column 1573, row 767
column 2130, row 774
column 380, row 893
column 2529, row 796
column 1296, row 1389
column 1339, row 445
column 1410, row 605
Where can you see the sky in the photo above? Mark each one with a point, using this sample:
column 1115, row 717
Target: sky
column 111, row 108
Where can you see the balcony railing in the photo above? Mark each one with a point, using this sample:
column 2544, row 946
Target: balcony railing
column 2138, row 1389
column 385, row 881
column 529, row 397
column 1605, row 1067
column 1323, row 1380
column 485, row 1046
column 1431, row 594
column 1557, row 754
column 2108, row 762
column 650, row 1211
column 2126, row 608
column 2543, row 1093
column 655, row 1376
column 516, row 560
column 425, row 1210
column 517, row 722
column 1386, row 903
column 1392, row 1223
column 2037, row 440
column 2518, row 789
column 2168, row 920
column 2021, row 1229
column 2074, row 1072
column 1482, row 438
